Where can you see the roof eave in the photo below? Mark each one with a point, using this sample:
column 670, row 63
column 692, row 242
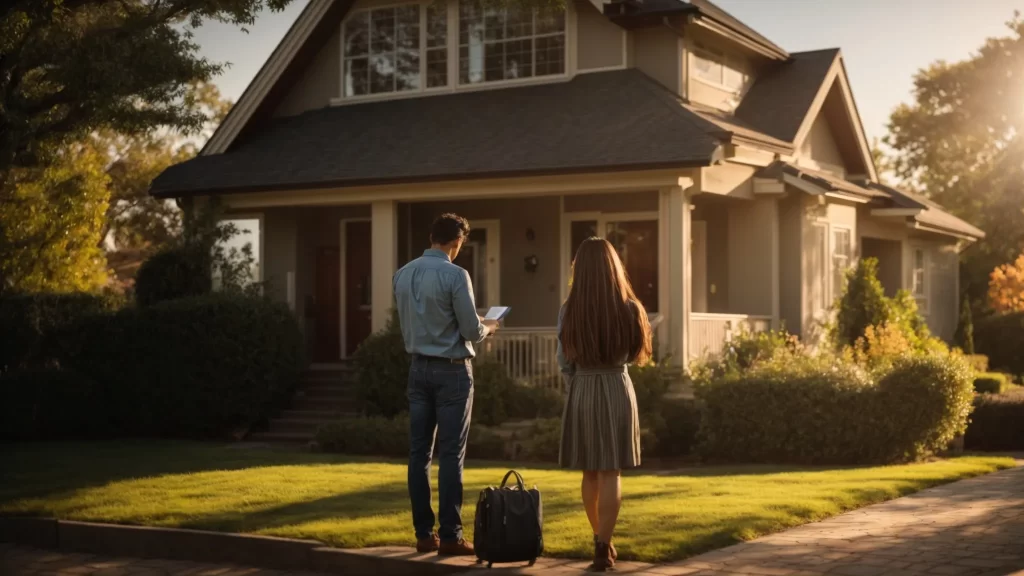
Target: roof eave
column 352, row 183
column 960, row 234
column 767, row 50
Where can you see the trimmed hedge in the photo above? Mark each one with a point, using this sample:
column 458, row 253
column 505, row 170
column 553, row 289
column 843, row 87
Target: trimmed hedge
column 177, row 272
column 825, row 411
column 997, row 422
column 374, row 435
column 978, row 362
column 991, row 383
column 199, row 368
column 1001, row 338
column 31, row 323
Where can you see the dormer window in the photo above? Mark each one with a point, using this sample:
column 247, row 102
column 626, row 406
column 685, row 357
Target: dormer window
column 714, row 67
column 404, row 49
column 509, row 43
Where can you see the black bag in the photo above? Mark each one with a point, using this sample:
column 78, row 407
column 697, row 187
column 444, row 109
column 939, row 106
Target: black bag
column 509, row 522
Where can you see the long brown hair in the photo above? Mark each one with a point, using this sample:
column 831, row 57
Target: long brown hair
column 603, row 321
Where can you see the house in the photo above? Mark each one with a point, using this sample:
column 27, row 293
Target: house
column 734, row 177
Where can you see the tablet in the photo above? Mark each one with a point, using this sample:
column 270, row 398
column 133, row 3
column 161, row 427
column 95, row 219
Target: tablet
column 497, row 313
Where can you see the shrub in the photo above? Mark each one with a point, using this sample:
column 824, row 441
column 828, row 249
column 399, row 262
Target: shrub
column 991, row 383
column 32, row 322
column 964, row 337
column 486, row 443
column 671, row 430
column 977, row 362
column 173, row 273
column 997, row 422
column 747, row 350
column 863, row 304
column 198, row 367
column 542, row 441
column 374, row 435
column 1006, row 287
column 497, row 398
column 1001, row 338
column 45, row 404
column 382, row 371
column 818, row 410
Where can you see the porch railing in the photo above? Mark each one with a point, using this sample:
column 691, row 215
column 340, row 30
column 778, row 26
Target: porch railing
column 709, row 333
column 529, row 354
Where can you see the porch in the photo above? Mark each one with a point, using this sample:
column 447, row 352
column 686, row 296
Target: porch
column 333, row 265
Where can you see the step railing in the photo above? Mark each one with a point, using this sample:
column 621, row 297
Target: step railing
column 709, row 333
column 529, row 354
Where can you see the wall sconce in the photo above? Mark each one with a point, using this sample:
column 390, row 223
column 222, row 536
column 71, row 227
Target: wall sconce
column 530, row 263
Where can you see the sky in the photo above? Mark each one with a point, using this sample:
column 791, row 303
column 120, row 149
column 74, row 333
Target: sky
column 884, row 42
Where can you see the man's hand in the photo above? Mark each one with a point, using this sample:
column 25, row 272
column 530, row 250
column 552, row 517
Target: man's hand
column 491, row 325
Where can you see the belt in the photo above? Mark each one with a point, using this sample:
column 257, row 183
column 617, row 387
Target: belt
column 439, row 359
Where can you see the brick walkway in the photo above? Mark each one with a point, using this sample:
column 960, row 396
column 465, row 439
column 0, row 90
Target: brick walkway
column 971, row 528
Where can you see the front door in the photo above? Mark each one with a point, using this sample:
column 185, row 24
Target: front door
column 357, row 284
column 328, row 308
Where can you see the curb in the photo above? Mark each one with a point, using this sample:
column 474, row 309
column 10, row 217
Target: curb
column 216, row 547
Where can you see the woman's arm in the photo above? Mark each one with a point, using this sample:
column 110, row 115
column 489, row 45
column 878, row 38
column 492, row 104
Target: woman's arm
column 564, row 365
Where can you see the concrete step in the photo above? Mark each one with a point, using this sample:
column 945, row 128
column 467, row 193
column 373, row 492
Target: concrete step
column 342, row 392
column 324, row 403
column 311, row 414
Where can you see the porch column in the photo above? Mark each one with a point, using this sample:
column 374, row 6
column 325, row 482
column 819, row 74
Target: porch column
column 675, row 208
column 776, row 273
column 384, row 250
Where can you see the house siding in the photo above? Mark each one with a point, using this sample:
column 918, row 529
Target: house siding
column 599, row 41
column 280, row 251
column 700, row 92
column 791, row 217
column 533, row 297
column 658, row 54
column 819, row 149
column 716, row 219
column 750, row 256
column 318, row 84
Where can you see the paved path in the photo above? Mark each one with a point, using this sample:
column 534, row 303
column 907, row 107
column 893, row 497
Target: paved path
column 970, row 528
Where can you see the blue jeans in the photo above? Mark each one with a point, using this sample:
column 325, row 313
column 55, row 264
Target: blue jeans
column 440, row 402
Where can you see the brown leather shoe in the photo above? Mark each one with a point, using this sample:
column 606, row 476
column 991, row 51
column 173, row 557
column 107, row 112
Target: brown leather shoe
column 425, row 545
column 611, row 549
column 460, row 548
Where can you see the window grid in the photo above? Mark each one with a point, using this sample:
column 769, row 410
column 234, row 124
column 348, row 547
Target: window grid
column 509, row 44
column 842, row 254
column 714, row 67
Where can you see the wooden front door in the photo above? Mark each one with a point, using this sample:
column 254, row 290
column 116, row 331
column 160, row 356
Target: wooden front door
column 328, row 304
column 357, row 284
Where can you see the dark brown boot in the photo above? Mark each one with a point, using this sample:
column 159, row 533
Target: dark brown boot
column 460, row 548
column 425, row 545
column 611, row 549
column 602, row 558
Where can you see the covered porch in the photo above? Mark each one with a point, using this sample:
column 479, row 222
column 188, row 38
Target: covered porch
column 703, row 265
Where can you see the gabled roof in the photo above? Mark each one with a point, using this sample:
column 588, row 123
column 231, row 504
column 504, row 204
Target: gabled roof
column 929, row 213
column 634, row 13
column 619, row 120
column 824, row 181
column 781, row 97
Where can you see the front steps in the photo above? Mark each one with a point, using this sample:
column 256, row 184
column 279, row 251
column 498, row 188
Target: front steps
column 325, row 394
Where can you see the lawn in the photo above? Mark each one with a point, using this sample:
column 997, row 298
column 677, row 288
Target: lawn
column 353, row 502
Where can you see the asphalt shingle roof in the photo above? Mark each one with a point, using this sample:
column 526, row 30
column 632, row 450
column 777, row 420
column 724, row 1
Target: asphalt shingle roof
column 931, row 213
column 780, row 98
column 600, row 121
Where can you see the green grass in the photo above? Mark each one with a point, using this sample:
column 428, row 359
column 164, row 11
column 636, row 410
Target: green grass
column 353, row 502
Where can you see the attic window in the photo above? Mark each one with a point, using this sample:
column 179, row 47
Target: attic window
column 392, row 49
column 510, row 43
column 714, row 67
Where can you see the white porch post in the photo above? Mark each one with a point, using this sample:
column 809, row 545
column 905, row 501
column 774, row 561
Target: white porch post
column 384, row 250
column 776, row 273
column 675, row 208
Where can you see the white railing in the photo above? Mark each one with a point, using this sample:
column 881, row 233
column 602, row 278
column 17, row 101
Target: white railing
column 529, row 354
column 710, row 332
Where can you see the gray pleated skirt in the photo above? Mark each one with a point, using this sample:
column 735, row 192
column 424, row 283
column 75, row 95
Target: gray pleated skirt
column 600, row 426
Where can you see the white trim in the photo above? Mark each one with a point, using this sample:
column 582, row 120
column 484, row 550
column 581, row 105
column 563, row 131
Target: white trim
column 492, row 252
column 896, row 211
column 343, row 289
column 832, row 228
column 266, row 78
column 453, row 50
column 601, row 69
column 913, row 247
column 847, row 197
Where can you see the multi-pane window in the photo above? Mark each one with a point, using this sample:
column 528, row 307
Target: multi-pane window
column 712, row 66
column 391, row 49
column 509, row 43
column 842, row 254
column 919, row 278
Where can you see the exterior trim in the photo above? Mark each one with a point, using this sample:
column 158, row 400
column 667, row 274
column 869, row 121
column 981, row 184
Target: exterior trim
column 343, row 288
column 740, row 38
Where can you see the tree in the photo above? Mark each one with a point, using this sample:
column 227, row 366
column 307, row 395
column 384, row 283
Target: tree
column 54, row 217
column 959, row 143
column 72, row 67
column 964, row 336
column 1006, row 288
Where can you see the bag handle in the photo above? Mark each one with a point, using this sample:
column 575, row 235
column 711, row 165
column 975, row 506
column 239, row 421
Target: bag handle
column 519, row 480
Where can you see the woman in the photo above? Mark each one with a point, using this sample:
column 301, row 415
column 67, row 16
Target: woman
column 602, row 327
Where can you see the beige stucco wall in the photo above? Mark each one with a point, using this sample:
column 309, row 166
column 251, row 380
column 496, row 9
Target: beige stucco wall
column 750, row 256
column 715, row 216
column 658, row 53
column 599, row 41
column 819, row 149
column 889, row 254
column 533, row 297
column 280, row 250
column 319, row 83
column 791, row 218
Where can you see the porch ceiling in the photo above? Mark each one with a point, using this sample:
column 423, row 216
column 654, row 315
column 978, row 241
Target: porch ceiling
column 620, row 120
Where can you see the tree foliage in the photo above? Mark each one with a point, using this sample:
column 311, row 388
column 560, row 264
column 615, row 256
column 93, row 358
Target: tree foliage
column 959, row 143
column 1006, row 287
column 50, row 224
column 71, row 67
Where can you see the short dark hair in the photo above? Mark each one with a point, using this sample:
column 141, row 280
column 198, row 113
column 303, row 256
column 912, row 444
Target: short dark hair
column 448, row 228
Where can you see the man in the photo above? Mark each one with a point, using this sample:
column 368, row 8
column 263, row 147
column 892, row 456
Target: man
column 440, row 324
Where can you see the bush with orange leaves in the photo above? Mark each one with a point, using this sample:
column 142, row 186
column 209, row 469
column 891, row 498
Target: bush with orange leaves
column 1006, row 287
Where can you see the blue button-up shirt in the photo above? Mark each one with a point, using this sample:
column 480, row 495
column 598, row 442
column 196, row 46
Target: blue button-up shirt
column 436, row 307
